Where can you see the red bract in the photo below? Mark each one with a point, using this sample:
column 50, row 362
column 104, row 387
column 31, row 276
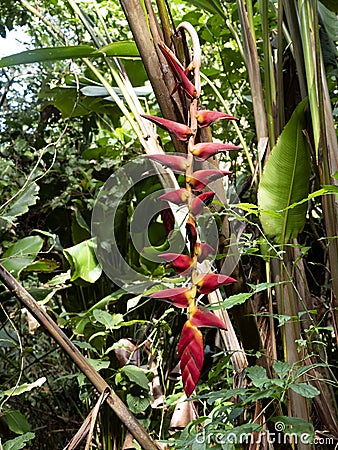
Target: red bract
column 199, row 179
column 200, row 202
column 181, row 131
column 178, row 72
column 180, row 263
column 206, row 118
column 201, row 317
column 204, row 250
column 174, row 162
column 191, row 355
column 212, row 281
column 179, row 196
column 191, row 233
column 204, row 150
column 168, row 220
column 178, row 296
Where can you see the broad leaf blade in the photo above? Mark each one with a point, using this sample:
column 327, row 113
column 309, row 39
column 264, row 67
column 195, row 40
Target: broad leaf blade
column 125, row 49
column 22, row 202
column 285, row 181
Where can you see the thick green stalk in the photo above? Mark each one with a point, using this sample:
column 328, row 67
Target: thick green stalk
column 323, row 131
column 165, row 21
column 269, row 79
column 309, row 51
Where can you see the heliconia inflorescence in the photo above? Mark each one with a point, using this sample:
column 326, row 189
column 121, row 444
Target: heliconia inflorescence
column 190, row 345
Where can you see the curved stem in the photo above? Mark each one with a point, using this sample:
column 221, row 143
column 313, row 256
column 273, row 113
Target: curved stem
column 196, row 61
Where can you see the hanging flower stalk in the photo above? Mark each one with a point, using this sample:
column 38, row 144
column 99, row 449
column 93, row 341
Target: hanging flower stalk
column 190, row 345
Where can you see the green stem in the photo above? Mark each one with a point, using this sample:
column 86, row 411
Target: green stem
column 269, row 79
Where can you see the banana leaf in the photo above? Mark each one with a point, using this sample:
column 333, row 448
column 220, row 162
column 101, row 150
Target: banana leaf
column 285, row 181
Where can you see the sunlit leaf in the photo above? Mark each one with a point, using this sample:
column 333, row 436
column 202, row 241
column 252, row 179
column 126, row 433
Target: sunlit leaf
column 83, row 261
column 110, row 321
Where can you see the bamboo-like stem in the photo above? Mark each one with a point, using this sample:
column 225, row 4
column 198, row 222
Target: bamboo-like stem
column 115, row 403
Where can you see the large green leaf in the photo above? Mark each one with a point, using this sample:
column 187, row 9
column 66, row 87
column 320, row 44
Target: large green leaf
column 285, row 181
column 124, row 49
column 83, row 261
column 18, row 442
column 20, row 204
column 21, row 254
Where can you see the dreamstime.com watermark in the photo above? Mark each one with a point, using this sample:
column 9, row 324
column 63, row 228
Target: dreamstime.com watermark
column 279, row 436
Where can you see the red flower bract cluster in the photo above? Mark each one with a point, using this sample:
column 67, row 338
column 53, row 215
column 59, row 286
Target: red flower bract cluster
column 190, row 345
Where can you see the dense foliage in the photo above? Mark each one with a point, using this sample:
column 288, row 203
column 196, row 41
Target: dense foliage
column 69, row 120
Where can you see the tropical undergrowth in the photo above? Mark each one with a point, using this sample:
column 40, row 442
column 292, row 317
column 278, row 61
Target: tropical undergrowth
column 57, row 150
